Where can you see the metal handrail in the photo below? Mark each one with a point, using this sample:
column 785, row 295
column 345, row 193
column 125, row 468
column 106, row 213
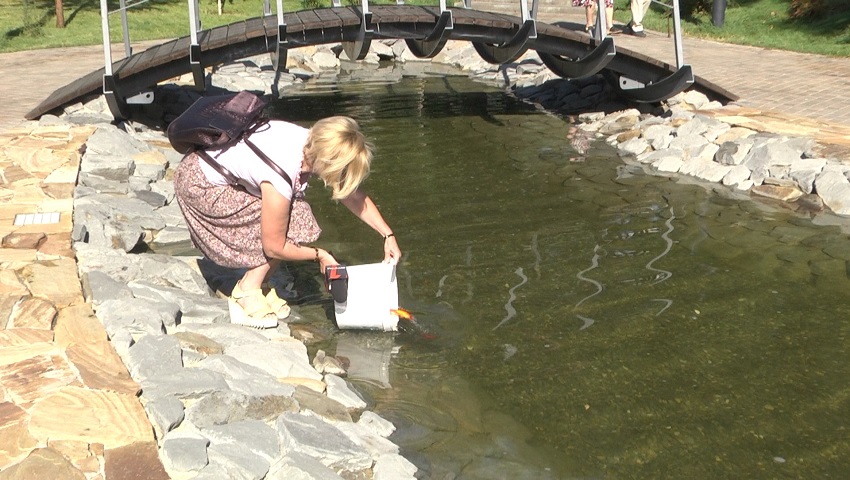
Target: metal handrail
column 677, row 29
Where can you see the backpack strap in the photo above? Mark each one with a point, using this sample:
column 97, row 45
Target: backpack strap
column 275, row 167
column 224, row 172
column 233, row 179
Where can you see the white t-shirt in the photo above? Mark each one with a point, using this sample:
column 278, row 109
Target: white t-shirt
column 281, row 141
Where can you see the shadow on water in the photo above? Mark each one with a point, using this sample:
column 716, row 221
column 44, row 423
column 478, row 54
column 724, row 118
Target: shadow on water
column 590, row 320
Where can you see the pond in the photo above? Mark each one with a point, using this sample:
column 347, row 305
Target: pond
column 591, row 320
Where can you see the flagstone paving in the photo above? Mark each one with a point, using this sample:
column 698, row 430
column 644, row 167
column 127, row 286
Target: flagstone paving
column 68, row 407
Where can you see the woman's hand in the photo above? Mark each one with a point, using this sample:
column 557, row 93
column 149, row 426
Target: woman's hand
column 326, row 260
column 392, row 254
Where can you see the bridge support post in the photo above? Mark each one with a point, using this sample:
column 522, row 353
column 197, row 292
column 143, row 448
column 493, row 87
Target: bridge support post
column 434, row 43
column 590, row 64
column 358, row 49
column 656, row 88
column 114, row 101
column 198, row 76
column 281, row 50
column 279, row 55
column 513, row 48
column 110, row 86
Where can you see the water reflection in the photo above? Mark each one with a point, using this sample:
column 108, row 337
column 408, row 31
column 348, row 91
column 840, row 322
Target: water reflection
column 591, row 320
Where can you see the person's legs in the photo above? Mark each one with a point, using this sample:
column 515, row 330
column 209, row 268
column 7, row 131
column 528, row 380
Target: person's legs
column 638, row 8
column 248, row 304
column 590, row 15
column 255, row 277
column 224, row 223
column 609, row 18
column 277, row 304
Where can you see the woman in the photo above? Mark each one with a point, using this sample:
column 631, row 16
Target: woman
column 255, row 226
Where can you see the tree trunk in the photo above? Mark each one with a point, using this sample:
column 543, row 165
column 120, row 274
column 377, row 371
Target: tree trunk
column 60, row 14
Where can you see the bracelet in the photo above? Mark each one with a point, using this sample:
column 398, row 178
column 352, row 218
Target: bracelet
column 317, row 255
column 388, row 236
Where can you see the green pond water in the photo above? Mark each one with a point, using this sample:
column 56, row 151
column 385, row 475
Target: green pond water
column 591, row 321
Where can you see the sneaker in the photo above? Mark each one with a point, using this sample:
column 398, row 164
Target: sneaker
column 616, row 30
column 636, row 33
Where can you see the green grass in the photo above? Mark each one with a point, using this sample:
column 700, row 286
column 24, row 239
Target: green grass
column 30, row 24
column 762, row 23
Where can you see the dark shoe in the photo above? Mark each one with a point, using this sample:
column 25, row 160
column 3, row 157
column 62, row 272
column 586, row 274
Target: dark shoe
column 616, row 30
column 589, row 29
column 631, row 31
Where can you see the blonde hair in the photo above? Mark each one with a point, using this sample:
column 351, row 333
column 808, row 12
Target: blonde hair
column 338, row 152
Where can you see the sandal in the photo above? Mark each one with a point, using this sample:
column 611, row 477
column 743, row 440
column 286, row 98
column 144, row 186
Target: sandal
column 277, row 304
column 257, row 314
column 589, row 29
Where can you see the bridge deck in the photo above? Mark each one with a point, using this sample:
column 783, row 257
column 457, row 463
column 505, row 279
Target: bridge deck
column 342, row 24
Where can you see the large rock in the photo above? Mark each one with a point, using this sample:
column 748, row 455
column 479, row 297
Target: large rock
column 834, row 189
column 136, row 316
column 184, row 452
column 165, row 413
column 154, row 356
column 194, row 307
column 297, row 466
column 159, row 270
column 314, row 437
column 225, row 406
column 184, row 384
column 237, row 462
column 244, row 378
column 254, row 435
column 280, row 359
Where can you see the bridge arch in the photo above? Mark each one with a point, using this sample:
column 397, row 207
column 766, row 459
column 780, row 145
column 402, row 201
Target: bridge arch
column 499, row 38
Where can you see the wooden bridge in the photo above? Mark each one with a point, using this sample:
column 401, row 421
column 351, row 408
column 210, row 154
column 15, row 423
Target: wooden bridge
column 498, row 38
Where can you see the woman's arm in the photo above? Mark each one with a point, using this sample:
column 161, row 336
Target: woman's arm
column 274, row 224
column 365, row 209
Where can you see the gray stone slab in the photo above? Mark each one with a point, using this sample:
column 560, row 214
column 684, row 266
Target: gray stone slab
column 338, row 389
column 165, row 414
column 396, row 467
column 314, row 437
column 99, row 287
column 226, row 406
column 238, row 462
column 244, row 378
column 280, row 359
column 297, row 466
column 135, row 316
column 376, row 445
column 254, row 435
column 194, row 307
column 376, row 424
column 227, row 334
column 184, row 384
column 834, row 189
column 184, row 454
column 154, row 356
